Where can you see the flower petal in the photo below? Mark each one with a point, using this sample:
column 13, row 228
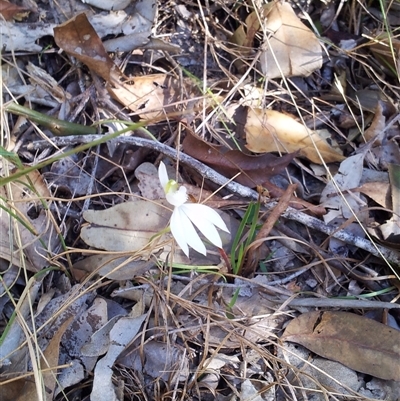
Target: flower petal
column 184, row 233
column 205, row 227
column 210, row 214
column 205, row 219
column 177, row 198
column 163, row 175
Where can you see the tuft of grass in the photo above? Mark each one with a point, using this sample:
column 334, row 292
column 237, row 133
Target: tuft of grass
column 243, row 240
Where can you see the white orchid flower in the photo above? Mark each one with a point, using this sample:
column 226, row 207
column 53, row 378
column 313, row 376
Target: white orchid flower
column 186, row 214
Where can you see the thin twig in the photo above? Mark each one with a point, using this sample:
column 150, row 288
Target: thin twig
column 339, row 303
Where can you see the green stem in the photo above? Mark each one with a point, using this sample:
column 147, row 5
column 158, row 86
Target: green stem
column 103, row 139
column 56, row 126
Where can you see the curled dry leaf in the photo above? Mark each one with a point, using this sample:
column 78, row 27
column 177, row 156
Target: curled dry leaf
column 272, row 131
column 357, row 342
column 381, row 149
column 24, row 36
column 376, row 131
column 244, row 39
column 78, row 38
column 155, row 96
column 292, row 49
column 255, row 170
column 212, row 368
column 11, row 11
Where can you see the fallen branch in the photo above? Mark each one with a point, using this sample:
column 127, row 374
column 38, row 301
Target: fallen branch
column 389, row 255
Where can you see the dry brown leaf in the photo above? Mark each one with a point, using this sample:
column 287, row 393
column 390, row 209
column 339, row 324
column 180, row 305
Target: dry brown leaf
column 157, row 96
column 159, row 360
column 244, row 39
column 11, row 11
column 357, row 342
column 272, row 131
column 376, row 130
column 78, row 38
column 128, row 226
column 293, row 50
column 255, row 170
column 111, row 266
column 378, row 191
column 154, row 96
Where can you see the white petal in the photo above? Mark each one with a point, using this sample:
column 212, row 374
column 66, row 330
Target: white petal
column 209, row 214
column 163, row 175
column 201, row 220
column 178, row 197
column 184, row 233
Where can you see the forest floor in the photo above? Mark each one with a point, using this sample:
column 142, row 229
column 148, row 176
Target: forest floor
column 280, row 123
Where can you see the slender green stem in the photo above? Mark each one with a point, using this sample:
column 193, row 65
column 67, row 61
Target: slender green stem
column 103, row 139
column 56, row 126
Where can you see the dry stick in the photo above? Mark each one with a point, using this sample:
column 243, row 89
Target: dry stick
column 270, row 221
column 208, row 173
column 338, row 303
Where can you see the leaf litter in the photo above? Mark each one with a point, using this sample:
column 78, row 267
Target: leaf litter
column 111, row 307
